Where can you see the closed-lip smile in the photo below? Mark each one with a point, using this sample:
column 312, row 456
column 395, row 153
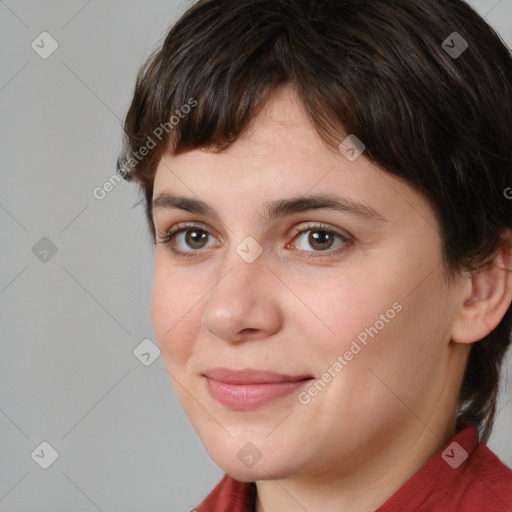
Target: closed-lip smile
column 250, row 388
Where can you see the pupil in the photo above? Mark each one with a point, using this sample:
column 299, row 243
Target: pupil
column 320, row 240
column 194, row 238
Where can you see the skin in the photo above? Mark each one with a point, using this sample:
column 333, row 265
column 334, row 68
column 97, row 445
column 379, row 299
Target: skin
column 393, row 405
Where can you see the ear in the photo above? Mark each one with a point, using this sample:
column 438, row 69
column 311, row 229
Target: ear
column 486, row 298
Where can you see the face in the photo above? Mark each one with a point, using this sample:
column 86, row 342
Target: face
column 300, row 302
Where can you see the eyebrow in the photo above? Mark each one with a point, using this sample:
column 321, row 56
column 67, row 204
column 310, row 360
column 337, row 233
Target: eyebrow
column 275, row 209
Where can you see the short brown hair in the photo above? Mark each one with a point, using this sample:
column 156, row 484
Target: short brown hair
column 378, row 69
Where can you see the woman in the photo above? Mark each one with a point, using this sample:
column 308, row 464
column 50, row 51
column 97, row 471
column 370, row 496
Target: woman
column 325, row 184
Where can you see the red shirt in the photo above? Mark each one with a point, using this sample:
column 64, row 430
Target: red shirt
column 463, row 476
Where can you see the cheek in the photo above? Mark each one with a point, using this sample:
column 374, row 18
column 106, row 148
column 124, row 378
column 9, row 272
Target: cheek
column 379, row 317
column 338, row 311
column 173, row 316
column 409, row 354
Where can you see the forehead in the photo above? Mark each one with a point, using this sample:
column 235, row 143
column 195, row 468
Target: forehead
column 281, row 155
column 279, row 141
column 282, row 126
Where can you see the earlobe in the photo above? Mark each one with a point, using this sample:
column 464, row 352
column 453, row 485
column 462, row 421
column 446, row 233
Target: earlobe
column 487, row 299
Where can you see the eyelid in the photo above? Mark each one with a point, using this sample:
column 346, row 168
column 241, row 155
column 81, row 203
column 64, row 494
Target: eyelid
column 183, row 226
column 297, row 229
column 320, row 226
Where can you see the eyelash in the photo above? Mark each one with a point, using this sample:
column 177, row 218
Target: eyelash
column 169, row 236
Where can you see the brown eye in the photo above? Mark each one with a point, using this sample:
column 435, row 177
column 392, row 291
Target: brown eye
column 187, row 240
column 319, row 238
column 196, row 238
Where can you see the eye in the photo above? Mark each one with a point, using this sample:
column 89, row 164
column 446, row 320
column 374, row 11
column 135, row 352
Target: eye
column 186, row 240
column 320, row 238
column 189, row 238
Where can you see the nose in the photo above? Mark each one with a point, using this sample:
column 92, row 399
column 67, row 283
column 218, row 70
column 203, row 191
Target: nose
column 243, row 304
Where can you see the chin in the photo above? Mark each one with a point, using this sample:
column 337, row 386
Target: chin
column 260, row 471
column 248, row 462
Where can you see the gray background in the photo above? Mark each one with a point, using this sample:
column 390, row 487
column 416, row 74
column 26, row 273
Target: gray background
column 70, row 324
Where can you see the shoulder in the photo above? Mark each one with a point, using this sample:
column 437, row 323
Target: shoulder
column 488, row 481
column 483, row 483
column 463, row 476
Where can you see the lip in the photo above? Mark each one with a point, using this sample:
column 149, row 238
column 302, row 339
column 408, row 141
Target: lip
column 248, row 388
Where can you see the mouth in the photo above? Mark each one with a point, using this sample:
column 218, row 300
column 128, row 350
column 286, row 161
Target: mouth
column 249, row 389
